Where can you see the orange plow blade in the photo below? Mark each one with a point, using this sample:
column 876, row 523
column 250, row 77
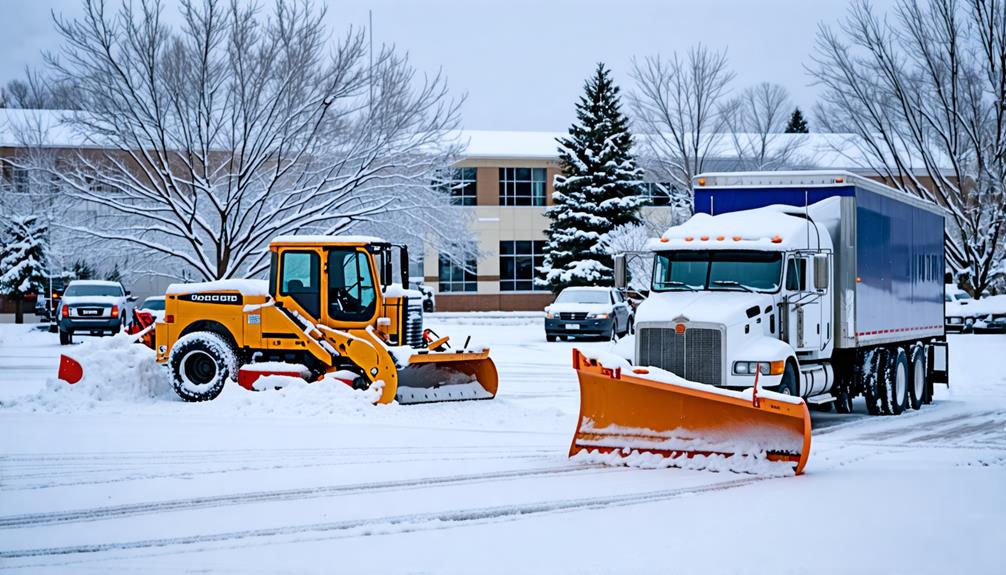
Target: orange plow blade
column 435, row 377
column 625, row 409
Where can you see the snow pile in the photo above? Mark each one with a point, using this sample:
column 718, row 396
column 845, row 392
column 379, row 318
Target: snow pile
column 116, row 370
column 286, row 395
column 243, row 286
column 752, row 463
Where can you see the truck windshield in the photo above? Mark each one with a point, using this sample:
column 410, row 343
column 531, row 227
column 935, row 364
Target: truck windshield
column 719, row 270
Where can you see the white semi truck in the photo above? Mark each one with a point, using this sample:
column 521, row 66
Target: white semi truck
column 829, row 285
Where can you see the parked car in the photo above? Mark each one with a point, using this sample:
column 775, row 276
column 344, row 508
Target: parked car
column 429, row 298
column 588, row 312
column 93, row 307
column 959, row 317
column 154, row 305
column 990, row 314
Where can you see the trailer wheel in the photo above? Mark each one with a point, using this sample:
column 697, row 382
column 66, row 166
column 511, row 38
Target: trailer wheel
column 874, row 382
column 843, row 400
column 897, row 382
column 917, row 391
column 201, row 363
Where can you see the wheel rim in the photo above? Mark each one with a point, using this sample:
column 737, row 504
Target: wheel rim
column 919, row 381
column 199, row 368
column 901, row 383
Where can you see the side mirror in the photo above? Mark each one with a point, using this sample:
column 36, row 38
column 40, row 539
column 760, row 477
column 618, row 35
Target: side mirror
column 130, row 297
column 620, row 275
column 821, row 269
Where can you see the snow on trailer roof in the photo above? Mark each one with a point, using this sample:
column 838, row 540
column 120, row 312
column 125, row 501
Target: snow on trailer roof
column 327, row 240
column 816, row 178
column 245, row 287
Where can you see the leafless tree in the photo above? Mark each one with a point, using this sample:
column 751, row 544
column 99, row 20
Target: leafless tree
column 677, row 112
column 241, row 125
column 925, row 90
column 756, row 120
column 37, row 92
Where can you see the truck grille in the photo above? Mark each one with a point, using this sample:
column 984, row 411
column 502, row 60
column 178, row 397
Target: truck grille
column 696, row 354
column 414, row 323
column 572, row 315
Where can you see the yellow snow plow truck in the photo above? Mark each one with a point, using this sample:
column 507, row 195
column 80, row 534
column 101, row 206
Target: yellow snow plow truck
column 330, row 309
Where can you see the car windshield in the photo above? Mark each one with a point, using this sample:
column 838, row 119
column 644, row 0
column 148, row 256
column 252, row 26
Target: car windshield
column 962, row 295
column 156, row 304
column 720, row 270
column 583, row 296
column 93, row 290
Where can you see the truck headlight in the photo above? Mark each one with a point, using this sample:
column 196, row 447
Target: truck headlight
column 598, row 316
column 765, row 367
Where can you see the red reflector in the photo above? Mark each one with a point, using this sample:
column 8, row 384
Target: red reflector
column 169, row 319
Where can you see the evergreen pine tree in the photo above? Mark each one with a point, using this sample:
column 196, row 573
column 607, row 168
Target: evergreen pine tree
column 115, row 275
column 22, row 261
column 598, row 191
column 83, row 270
column 797, row 124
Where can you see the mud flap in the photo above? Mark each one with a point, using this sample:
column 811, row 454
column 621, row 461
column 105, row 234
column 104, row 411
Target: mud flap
column 640, row 409
column 939, row 363
column 436, row 377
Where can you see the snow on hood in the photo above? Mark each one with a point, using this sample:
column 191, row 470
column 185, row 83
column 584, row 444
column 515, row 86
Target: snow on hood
column 726, row 307
column 572, row 307
column 92, row 299
column 244, row 286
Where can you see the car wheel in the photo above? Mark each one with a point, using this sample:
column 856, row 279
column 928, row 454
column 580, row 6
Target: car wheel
column 549, row 337
column 65, row 337
column 613, row 336
column 632, row 325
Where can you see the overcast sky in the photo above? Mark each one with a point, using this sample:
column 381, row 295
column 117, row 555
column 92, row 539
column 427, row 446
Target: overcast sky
column 522, row 63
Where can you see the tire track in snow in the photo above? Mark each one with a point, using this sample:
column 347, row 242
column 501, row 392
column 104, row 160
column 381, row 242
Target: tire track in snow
column 133, row 509
column 394, row 523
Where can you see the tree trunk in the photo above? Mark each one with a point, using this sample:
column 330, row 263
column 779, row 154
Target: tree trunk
column 18, row 312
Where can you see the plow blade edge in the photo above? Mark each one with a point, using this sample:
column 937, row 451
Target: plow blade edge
column 434, row 377
column 644, row 410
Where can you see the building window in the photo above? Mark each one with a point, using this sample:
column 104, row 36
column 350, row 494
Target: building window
column 522, row 186
column 657, row 194
column 460, row 184
column 519, row 264
column 455, row 277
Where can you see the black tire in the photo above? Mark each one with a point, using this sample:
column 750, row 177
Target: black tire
column 843, row 401
column 790, row 381
column 917, row 377
column 874, row 382
column 549, row 338
column 65, row 337
column 201, row 363
column 632, row 325
column 897, row 382
column 613, row 335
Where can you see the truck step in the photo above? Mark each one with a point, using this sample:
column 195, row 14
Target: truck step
column 820, row 399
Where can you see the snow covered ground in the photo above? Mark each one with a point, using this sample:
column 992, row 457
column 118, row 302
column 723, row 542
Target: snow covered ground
column 310, row 479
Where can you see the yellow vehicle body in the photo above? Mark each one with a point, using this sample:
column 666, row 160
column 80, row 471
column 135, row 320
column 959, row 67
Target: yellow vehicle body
column 328, row 307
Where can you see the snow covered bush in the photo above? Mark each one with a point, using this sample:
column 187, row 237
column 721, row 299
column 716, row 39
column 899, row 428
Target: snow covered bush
column 22, row 261
column 598, row 192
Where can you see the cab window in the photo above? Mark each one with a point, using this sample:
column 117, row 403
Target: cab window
column 351, row 292
column 301, row 280
column 796, row 274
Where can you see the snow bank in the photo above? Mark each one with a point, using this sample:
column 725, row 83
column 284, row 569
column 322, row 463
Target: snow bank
column 321, row 239
column 116, row 371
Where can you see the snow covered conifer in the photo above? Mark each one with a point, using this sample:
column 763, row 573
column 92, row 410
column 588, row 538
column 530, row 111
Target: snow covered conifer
column 22, row 261
column 598, row 191
column 797, row 124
